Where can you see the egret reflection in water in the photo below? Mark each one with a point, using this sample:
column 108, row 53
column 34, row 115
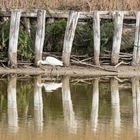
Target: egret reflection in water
column 12, row 105
column 69, row 115
column 50, row 86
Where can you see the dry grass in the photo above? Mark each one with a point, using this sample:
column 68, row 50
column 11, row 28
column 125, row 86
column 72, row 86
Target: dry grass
column 73, row 4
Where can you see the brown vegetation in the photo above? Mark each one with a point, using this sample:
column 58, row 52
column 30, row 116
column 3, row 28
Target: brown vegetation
column 72, row 4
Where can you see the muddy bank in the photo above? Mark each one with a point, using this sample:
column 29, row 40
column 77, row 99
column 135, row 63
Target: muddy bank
column 121, row 71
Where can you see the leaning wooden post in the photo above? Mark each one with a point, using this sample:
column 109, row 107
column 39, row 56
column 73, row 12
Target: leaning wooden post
column 40, row 34
column 13, row 37
column 69, row 36
column 96, row 37
column 136, row 50
column 118, row 26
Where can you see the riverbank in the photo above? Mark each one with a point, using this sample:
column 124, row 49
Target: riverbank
column 121, row 71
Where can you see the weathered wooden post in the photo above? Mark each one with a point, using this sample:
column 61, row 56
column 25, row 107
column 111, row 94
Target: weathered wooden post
column 136, row 50
column 118, row 26
column 96, row 36
column 69, row 36
column 13, row 37
column 40, row 34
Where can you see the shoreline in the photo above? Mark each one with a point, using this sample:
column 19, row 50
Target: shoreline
column 121, row 71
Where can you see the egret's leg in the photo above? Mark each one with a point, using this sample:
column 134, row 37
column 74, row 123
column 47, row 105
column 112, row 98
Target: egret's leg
column 57, row 73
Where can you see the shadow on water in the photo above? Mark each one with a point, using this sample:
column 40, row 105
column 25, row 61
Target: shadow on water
column 98, row 107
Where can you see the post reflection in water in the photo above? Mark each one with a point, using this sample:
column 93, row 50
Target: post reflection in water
column 69, row 115
column 136, row 104
column 115, row 100
column 38, row 104
column 12, row 105
column 95, row 105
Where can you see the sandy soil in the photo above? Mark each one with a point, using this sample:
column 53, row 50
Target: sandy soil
column 121, row 71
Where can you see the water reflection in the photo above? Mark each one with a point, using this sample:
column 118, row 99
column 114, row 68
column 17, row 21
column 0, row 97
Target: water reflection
column 95, row 105
column 12, row 105
column 50, row 86
column 38, row 104
column 78, row 111
column 115, row 100
column 136, row 104
column 69, row 115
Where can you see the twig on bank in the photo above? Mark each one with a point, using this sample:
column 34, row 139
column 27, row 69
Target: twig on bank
column 122, row 62
column 94, row 66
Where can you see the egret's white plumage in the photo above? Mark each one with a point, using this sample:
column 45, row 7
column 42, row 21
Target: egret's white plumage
column 51, row 61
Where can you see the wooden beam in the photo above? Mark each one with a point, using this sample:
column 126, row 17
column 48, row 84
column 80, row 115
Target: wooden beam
column 136, row 50
column 40, row 34
column 96, row 37
column 65, row 14
column 13, row 37
column 118, row 26
column 69, row 36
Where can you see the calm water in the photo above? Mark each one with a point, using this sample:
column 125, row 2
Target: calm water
column 100, row 109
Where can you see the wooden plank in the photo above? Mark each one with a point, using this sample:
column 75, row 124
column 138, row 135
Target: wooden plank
column 96, row 37
column 136, row 50
column 69, row 36
column 118, row 26
column 13, row 37
column 40, row 34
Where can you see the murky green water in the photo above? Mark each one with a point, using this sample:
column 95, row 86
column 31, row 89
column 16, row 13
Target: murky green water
column 97, row 109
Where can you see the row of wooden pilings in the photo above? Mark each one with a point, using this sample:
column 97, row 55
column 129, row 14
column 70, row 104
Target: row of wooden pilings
column 72, row 20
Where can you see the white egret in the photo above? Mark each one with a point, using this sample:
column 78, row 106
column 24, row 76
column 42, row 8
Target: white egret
column 50, row 61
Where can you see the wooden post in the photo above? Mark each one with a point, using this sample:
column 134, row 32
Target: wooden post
column 136, row 50
column 118, row 25
column 96, row 37
column 27, row 25
column 40, row 34
column 69, row 36
column 13, row 37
